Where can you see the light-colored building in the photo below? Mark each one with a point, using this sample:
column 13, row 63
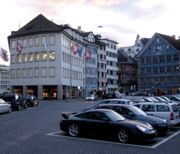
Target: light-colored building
column 4, row 78
column 111, row 63
column 47, row 60
column 91, row 71
column 102, row 67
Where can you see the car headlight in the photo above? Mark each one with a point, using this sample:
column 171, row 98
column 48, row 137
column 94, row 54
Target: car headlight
column 141, row 128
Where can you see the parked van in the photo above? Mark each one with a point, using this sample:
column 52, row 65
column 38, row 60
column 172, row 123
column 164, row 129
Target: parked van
column 168, row 111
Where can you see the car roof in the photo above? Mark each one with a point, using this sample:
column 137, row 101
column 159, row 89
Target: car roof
column 124, row 105
column 161, row 103
column 118, row 99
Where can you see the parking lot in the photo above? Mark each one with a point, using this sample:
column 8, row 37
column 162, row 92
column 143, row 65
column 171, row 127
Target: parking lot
column 173, row 131
column 36, row 130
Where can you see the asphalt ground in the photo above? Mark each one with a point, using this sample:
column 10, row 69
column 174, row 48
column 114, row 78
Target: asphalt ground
column 36, row 131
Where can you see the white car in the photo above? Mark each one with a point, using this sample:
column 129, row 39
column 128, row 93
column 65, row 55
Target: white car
column 90, row 98
column 168, row 111
column 4, row 107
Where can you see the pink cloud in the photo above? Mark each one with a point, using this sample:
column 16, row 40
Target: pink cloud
column 107, row 2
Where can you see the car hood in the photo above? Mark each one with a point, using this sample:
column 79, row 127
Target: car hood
column 151, row 119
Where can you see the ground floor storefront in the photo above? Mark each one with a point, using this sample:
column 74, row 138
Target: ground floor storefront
column 50, row 92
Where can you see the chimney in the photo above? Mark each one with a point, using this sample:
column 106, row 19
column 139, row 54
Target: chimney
column 174, row 36
column 79, row 28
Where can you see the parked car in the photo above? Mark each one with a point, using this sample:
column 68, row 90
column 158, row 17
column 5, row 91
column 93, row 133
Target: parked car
column 168, row 111
column 134, row 113
column 4, row 107
column 90, row 98
column 13, row 99
column 106, row 122
column 110, row 101
column 31, row 100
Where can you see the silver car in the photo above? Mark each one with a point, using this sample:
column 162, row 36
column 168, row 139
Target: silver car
column 4, row 107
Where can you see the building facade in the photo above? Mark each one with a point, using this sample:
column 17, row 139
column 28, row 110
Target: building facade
column 112, row 69
column 46, row 60
column 127, row 73
column 4, row 78
column 159, row 65
column 102, row 67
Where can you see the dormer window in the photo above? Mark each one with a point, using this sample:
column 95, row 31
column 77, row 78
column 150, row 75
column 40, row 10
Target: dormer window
column 158, row 48
column 157, row 40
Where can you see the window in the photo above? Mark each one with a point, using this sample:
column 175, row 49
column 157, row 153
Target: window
column 175, row 57
column 30, row 57
column 13, row 59
column 18, row 58
column 51, row 40
column 36, row 72
column 148, row 107
column 30, row 42
column 162, row 108
column 36, row 56
column 161, row 59
column 43, row 41
column 161, row 69
column 12, row 73
column 18, row 73
column 30, row 72
column 158, row 48
column 24, row 57
column 155, row 59
column 36, row 41
column 157, row 40
column 43, row 56
column 52, row 55
column 168, row 58
column 24, row 43
column 51, row 71
column 148, row 60
column 24, row 72
column 13, row 44
column 43, row 72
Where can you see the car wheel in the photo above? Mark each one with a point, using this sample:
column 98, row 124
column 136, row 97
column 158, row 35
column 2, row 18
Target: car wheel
column 123, row 136
column 73, row 130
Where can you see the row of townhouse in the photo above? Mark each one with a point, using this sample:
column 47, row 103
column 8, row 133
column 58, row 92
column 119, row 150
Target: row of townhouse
column 57, row 61
column 154, row 67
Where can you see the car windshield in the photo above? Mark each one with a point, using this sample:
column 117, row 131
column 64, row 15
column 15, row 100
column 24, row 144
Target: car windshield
column 137, row 111
column 114, row 116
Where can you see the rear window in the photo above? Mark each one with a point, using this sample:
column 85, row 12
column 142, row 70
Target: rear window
column 162, row 108
column 148, row 107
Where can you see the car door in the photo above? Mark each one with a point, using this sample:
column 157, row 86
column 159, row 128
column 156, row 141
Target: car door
column 98, row 123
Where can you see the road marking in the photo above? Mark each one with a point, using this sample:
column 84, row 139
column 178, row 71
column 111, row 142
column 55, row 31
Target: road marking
column 59, row 134
column 165, row 140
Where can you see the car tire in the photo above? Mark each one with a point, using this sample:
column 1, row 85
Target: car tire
column 73, row 130
column 123, row 136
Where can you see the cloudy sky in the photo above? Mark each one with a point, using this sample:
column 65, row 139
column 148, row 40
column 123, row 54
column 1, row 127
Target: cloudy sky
column 122, row 20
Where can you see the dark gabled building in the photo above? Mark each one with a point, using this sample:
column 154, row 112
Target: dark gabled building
column 159, row 65
column 127, row 73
